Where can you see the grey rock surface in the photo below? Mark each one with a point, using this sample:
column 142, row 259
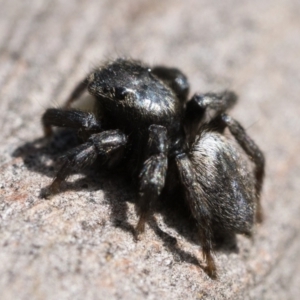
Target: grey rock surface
column 79, row 244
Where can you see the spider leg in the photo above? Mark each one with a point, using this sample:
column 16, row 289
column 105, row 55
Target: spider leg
column 253, row 152
column 76, row 93
column 102, row 144
column 220, row 102
column 153, row 174
column 199, row 206
column 197, row 107
column 69, row 118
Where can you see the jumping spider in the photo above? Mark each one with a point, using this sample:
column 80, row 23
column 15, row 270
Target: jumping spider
column 142, row 119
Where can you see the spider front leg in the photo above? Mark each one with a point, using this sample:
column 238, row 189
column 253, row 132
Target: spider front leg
column 76, row 119
column 199, row 206
column 102, row 144
column 253, row 152
column 153, row 174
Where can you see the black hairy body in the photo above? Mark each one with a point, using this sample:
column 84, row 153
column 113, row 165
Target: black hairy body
column 143, row 120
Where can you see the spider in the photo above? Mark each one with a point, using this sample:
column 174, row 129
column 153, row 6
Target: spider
column 143, row 119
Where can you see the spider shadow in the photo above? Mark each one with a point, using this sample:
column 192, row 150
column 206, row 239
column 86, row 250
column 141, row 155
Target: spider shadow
column 176, row 215
column 42, row 156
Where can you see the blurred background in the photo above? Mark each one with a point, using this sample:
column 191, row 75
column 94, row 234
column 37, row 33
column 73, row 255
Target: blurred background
column 70, row 247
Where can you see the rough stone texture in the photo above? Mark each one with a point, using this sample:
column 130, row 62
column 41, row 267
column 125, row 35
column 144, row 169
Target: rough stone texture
column 79, row 245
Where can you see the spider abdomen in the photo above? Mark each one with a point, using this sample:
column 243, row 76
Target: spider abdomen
column 226, row 176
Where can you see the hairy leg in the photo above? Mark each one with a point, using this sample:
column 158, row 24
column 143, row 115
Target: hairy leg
column 69, row 118
column 219, row 102
column 153, row 174
column 101, row 144
column 196, row 109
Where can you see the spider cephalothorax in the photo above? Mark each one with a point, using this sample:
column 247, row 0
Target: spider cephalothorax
column 143, row 119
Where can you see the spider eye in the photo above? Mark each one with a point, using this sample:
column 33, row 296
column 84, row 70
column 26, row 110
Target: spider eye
column 120, row 93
